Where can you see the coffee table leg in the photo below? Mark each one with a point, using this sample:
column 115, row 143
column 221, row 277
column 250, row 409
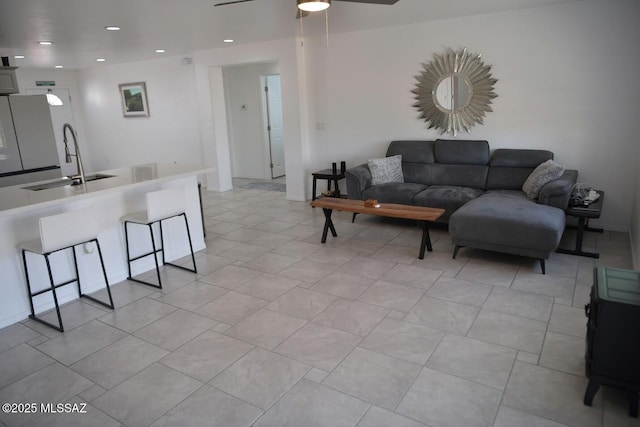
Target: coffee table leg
column 426, row 240
column 328, row 225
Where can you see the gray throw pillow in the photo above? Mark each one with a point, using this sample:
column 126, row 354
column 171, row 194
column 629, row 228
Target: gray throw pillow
column 386, row 170
column 543, row 174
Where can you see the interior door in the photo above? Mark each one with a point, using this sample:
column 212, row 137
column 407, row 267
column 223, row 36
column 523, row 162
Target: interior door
column 60, row 114
column 273, row 97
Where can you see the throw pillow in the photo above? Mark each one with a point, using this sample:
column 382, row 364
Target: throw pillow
column 386, row 170
column 543, row 174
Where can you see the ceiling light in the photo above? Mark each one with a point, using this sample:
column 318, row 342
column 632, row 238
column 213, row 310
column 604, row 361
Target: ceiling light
column 228, row 40
column 313, row 5
column 19, row 56
column 112, row 28
column 59, row 66
column 160, row 51
column 45, row 42
column 100, row 60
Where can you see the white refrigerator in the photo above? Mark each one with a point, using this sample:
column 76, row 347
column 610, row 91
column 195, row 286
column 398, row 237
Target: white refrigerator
column 27, row 140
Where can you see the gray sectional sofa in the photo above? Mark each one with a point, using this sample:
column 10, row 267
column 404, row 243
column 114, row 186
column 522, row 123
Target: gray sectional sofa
column 480, row 191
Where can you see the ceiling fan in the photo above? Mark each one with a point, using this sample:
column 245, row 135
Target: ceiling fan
column 306, row 6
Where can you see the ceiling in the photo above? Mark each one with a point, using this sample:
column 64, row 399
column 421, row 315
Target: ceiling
column 183, row 26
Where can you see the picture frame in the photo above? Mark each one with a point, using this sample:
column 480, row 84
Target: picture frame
column 133, row 98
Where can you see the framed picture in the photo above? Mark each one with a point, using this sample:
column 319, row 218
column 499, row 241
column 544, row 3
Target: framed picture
column 134, row 99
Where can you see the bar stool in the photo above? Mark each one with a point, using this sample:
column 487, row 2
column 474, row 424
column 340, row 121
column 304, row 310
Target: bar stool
column 57, row 233
column 161, row 206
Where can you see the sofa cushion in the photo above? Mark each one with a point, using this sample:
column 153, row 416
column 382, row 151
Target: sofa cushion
column 412, row 151
column 516, row 158
column 417, row 158
column 401, row 193
column 386, row 170
column 446, row 197
column 461, row 152
column 507, row 221
column 510, row 168
column 474, row 176
column 543, row 174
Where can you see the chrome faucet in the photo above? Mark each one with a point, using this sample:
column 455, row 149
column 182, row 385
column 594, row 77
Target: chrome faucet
column 80, row 175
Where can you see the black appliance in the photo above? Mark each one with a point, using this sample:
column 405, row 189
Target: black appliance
column 613, row 334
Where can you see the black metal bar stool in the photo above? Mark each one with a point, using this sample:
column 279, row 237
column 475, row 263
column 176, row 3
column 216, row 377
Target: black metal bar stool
column 161, row 206
column 58, row 233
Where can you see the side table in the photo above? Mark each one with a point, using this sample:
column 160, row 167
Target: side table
column 330, row 176
column 584, row 214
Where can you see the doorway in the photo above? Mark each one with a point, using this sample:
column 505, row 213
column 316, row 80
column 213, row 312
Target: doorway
column 60, row 114
column 256, row 146
column 272, row 118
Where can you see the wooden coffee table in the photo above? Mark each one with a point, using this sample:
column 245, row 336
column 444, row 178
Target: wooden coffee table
column 419, row 213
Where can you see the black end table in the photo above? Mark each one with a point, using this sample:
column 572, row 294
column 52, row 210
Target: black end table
column 330, row 176
column 584, row 214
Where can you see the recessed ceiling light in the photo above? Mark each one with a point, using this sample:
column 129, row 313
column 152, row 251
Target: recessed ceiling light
column 100, row 60
column 112, row 28
column 228, row 40
column 160, row 51
column 19, row 56
column 45, row 42
column 59, row 66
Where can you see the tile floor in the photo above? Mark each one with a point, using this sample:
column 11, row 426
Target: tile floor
column 279, row 330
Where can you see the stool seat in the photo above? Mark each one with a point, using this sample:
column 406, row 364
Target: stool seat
column 58, row 233
column 161, row 206
column 140, row 217
column 34, row 246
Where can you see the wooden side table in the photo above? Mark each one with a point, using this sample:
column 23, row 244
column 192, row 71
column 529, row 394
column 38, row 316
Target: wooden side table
column 330, row 176
column 584, row 214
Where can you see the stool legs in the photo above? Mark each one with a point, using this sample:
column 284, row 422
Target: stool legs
column 160, row 249
column 53, row 286
column 193, row 257
column 153, row 252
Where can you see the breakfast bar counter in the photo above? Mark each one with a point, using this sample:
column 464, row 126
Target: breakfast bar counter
column 114, row 194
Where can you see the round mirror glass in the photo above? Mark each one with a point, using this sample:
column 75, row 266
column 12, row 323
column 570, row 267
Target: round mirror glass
column 453, row 93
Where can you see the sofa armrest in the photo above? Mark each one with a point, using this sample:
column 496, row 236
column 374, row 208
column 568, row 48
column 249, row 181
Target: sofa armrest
column 557, row 193
column 358, row 178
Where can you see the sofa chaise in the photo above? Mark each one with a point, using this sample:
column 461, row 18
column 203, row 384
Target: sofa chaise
column 480, row 191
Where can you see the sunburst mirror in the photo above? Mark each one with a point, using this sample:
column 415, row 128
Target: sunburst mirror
column 454, row 91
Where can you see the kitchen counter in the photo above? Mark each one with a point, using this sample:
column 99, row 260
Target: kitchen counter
column 111, row 199
column 16, row 199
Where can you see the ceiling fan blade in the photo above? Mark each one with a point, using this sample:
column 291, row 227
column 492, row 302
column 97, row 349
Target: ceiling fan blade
column 388, row 2
column 231, row 2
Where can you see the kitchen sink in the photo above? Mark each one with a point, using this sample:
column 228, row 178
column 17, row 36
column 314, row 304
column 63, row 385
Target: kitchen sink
column 66, row 181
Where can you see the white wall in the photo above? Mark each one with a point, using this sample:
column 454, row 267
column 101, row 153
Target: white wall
column 566, row 82
column 249, row 150
column 171, row 134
